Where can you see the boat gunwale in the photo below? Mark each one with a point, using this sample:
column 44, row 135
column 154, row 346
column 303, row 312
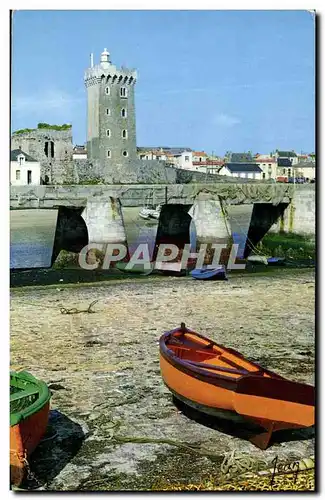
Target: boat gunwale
column 42, row 400
column 203, row 374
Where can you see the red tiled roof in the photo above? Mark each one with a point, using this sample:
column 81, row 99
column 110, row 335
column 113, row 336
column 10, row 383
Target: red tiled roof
column 199, row 153
column 265, row 160
column 208, row 162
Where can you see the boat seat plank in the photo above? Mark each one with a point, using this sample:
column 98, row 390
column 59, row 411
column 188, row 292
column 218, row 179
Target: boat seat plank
column 21, row 394
column 189, row 349
column 238, row 365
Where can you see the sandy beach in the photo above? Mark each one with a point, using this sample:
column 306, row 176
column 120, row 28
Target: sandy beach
column 113, row 421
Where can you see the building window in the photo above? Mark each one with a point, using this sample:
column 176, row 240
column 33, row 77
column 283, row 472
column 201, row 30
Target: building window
column 124, row 134
column 108, row 132
column 108, row 153
column 187, row 158
column 17, row 175
column 263, row 175
column 123, row 92
column 29, row 176
column 107, row 91
column 283, row 171
column 21, row 160
column 108, row 112
column 123, row 113
column 125, row 153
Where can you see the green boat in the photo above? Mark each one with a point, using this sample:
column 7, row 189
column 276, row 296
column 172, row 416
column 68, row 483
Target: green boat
column 29, row 412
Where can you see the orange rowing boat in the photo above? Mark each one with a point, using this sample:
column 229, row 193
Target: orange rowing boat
column 219, row 381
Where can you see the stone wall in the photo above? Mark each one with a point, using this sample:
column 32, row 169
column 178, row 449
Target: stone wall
column 134, row 195
column 52, row 148
column 132, row 172
column 61, row 168
column 190, row 176
column 299, row 216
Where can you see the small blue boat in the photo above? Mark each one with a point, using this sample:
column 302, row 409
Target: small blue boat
column 218, row 273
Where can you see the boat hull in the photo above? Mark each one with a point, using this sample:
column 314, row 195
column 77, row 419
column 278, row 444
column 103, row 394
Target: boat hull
column 24, row 438
column 243, row 392
column 29, row 413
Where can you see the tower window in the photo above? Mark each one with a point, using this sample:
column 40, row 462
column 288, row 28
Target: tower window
column 124, row 113
column 124, row 92
column 108, row 112
column 52, row 149
column 107, row 90
column 108, row 132
column 124, row 134
column 125, row 153
column 108, row 153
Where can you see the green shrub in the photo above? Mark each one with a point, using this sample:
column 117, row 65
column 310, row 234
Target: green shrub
column 66, row 259
column 23, row 131
column 65, row 126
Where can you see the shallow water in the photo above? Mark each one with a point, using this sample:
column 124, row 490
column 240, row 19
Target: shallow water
column 32, row 233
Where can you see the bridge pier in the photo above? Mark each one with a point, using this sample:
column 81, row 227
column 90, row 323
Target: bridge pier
column 212, row 226
column 299, row 216
column 104, row 221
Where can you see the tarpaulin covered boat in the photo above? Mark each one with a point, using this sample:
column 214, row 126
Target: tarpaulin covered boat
column 29, row 412
column 217, row 273
column 276, row 261
column 219, row 381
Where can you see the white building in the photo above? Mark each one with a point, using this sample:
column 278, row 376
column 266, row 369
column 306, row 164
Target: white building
column 179, row 157
column 184, row 160
column 286, row 155
column 268, row 165
column 306, row 170
column 79, row 153
column 24, row 169
column 241, row 170
column 151, row 154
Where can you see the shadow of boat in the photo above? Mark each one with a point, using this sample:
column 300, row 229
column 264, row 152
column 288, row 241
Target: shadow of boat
column 62, row 441
column 241, row 428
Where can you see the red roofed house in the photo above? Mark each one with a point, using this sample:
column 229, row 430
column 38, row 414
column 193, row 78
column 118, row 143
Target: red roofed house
column 268, row 165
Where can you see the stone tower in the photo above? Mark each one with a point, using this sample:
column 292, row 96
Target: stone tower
column 111, row 133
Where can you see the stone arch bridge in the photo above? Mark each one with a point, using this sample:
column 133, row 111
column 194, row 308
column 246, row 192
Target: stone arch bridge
column 94, row 214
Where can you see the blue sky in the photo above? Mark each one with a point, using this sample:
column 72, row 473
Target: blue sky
column 208, row 80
